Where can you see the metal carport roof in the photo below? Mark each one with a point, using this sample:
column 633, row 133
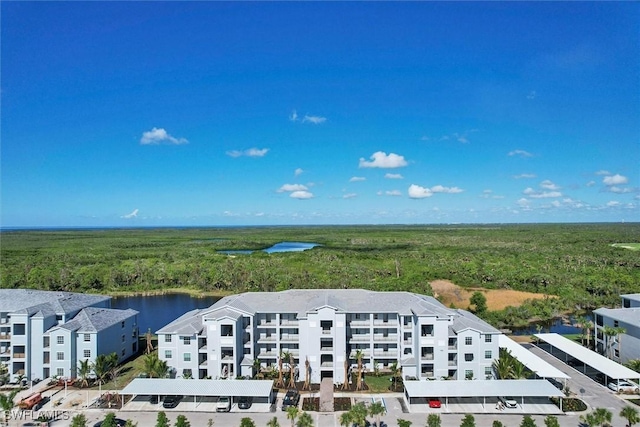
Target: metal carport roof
column 606, row 366
column 481, row 388
column 541, row 367
column 193, row 387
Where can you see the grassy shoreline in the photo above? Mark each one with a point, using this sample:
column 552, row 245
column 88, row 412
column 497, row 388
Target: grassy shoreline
column 192, row 292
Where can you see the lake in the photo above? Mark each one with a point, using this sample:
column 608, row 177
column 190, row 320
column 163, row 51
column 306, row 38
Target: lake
column 278, row 247
column 557, row 326
column 158, row 310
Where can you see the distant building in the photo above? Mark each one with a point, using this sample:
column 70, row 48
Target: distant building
column 326, row 327
column 626, row 346
column 45, row 333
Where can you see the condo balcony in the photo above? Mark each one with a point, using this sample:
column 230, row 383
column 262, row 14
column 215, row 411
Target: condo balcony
column 5, row 337
column 387, row 338
column 428, row 356
column 360, row 338
column 289, row 322
column 385, row 354
column 359, row 323
column 266, row 322
column 268, row 353
column 267, row 338
column 289, row 337
column 391, row 323
column 202, row 349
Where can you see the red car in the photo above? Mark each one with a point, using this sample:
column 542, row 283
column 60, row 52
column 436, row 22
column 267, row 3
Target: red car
column 434, row 403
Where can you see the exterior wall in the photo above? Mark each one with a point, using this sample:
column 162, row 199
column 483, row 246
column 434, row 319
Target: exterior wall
column 62, row 367
column 622, row 350
column 325, row 336
column 118, row 338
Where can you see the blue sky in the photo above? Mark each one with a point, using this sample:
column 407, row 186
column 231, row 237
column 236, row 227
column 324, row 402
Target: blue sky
column 255, row 113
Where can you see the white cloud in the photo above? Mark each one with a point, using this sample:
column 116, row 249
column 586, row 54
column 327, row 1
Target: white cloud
column 349, row 196
column 613, row 203
column 603, row 172
column 393, row 176
column 133, row 214
column 534, row 194
column 548, row 185
column 292, row 187
column 448, row 190
column 525, row 176
column 523, row 202
column 293, row 116
column 390, row 193
column 619, row 190
column 382, row 160
column 520, row 153
column 357, row 179
column 160, row 136
column 316, row 120
column 556, row 204
column 417, row 192
column 461, row 138
column 298, row 172
column 616, row 179
column 591, row 183
column 301, row 194
column 251, row 152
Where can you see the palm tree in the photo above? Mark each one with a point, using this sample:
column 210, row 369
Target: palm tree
column 377, row 409
column 503, row 365
column 395, row 373
column 84, row 369
column 620, row 331
column 257, row 367
column 519, row 370
column 359, row 414
column 345, row 419
column 359, row 354
column 609, row 332
column 6, row 403
column 101, row 368
column 292, row 414
column 292, row 366
column 345, row 385
column 304, row 420
column 280, row 381
column 273, row 422
column 598, row 417
column 631, row 415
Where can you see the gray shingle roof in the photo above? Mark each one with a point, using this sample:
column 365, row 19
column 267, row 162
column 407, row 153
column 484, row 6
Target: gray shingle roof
column 467, row 320
column 189, row 323
column 93, row 319
column 28, row 301
column 303, row 301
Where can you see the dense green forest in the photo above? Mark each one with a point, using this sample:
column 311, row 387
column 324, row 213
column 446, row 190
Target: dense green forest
column 576, row 262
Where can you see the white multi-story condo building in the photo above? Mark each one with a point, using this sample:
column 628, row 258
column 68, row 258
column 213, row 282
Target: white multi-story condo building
column 325, row 327
column 45, row 333
column 625, row 346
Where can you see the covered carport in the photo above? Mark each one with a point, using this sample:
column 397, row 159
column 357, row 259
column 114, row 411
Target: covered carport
column 198, row 395
column 567, row 349
column 482, row 395
column 535, row 364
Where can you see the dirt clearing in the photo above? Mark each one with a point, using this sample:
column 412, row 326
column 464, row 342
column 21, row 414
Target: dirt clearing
column 497, row 299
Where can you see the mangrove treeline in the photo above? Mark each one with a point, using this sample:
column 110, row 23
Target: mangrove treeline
column 575, row 262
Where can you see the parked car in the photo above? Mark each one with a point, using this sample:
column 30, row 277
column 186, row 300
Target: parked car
column 290, row 399
column 623, row 387
column 245, row 402
column 224, row 404
column 434, row 402
column 171, row 401
column 509, row 402
column 119, row 423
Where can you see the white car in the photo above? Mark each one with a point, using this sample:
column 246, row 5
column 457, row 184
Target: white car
column 224, row 404
column 509, row 402
column 623, row 387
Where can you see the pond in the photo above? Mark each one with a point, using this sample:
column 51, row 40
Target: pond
column 278, row 247
column 558, row 326
column 157, row 311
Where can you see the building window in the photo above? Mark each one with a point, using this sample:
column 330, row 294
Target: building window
column 87, row 354
column 187, row 357
column 60, row 372
column 487, row 338
column 427, row 330
column 167, row 338
column 468, row 341
column 122, row 324
column 616, row 324
column 19, row 329
column 186, row 373
column 487, row 354
column 599, row 320
column 60, row 339
column 167, row 354
column 626, row 303
column 488, row 372
column 60, row 355
column 123, row 352
column 616, row 353
column 87, row 337
column 186, row 340
column 226, row 330
column 468, row 357
column 123, row 338
column 468, row 374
